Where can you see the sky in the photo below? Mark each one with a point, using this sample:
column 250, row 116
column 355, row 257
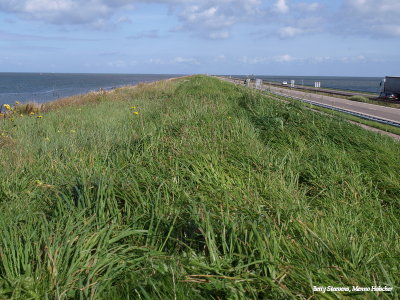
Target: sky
column 261, row 37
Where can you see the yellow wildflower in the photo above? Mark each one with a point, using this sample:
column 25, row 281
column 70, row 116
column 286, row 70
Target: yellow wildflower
column 135, row 112
column 17, row 102
column 7, row 106
column 133, row 107
column 32, row 113
column 21, row 115
column 39, row 117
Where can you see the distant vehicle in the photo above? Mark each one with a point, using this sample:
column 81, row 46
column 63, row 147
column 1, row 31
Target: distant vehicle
column 389, row 96
column 284, row 82
column 390, row 88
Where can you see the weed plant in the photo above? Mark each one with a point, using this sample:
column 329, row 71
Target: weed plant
column 360, row 99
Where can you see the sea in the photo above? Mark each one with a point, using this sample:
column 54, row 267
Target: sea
column 358, row 84
column 44, row 87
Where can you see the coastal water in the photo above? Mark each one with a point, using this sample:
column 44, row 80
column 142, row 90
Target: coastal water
column 359, row 84
column 44, row 87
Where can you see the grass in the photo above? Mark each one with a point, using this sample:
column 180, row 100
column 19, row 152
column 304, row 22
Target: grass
column 211, row 191
column 360, row 99
column 342, row 116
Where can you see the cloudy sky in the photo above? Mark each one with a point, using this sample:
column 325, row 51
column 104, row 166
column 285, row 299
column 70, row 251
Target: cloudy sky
column 271, row 37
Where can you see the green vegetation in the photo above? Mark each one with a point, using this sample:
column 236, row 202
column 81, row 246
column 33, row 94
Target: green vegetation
column 195, row 189
column 340, row 115
column 360, row 99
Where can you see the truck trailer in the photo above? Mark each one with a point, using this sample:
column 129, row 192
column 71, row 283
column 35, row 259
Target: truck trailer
column 390, row 88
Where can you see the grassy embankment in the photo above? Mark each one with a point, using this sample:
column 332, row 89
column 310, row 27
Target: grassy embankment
column 342, row 116
column 211, row 192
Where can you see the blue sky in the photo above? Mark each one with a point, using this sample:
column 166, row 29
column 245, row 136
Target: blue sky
column 270, row 37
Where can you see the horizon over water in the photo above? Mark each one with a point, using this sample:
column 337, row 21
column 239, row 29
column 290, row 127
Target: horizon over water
column 44, row 87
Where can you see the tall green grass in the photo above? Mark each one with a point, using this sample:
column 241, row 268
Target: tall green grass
column 211, row 192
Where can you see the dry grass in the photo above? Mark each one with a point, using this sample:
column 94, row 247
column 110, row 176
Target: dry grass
column 79, row 100
column 6, row 141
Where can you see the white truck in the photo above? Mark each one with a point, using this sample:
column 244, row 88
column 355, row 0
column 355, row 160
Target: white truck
column 390, row 88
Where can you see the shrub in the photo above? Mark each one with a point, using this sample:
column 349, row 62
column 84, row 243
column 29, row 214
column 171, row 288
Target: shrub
column 359, row 99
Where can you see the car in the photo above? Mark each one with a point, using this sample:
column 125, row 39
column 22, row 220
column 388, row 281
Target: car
column 389, row 96
column 284, row 83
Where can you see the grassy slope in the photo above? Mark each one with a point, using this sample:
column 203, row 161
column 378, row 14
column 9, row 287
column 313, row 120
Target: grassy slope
column 344, row 116
column 211, row 192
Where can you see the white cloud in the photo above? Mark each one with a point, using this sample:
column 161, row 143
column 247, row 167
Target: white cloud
column 352, row 59
column 214, row 19
column 287, row 58
column 156, row 61
column 378, row 18
column 207, row 18
column 253, row 60
column 219, row 35
column 281, row 6
column 284, row 58
column 211, row 18
column 309, row 7
column 95, row 12
column 289, row 31
column 220, row 58
column 147, row 34
column 274, row 59
column 320, row 59
column 185, row 60
column 217, row 19
column 121, row 63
